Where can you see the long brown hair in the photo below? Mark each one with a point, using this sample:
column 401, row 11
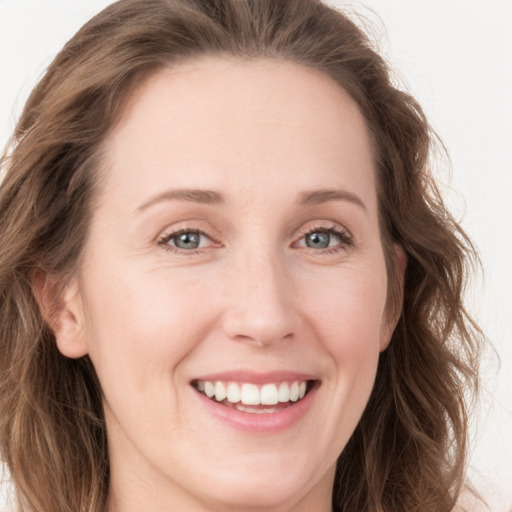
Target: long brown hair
column 408, row 452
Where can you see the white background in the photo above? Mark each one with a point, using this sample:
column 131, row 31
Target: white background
column 455, row 56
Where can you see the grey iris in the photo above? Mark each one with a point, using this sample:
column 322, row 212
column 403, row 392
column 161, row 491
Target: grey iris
column 318, row 240
column 187, row 241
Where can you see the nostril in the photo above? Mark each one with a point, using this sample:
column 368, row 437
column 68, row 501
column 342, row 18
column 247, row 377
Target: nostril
column 260, row 329
column 262, row 339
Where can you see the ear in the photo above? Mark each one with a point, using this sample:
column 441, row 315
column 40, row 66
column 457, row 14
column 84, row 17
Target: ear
column 395, row 298
column 62, row 309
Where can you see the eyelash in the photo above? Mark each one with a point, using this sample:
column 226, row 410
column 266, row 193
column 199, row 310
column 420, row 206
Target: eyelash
column 165, row 239
column 347, row 240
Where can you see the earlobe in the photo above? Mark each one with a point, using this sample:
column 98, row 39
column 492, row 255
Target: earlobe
column 62, row 310
column 395, row 298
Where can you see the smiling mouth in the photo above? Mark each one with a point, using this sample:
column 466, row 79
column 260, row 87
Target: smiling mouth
column 252, row 398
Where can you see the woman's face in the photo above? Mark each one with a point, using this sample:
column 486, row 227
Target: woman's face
column 234, row 250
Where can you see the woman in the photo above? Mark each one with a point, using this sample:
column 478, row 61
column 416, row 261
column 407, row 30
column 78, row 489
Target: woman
column 228, row 281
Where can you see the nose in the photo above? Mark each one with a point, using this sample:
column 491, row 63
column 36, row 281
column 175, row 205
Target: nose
column 260, row 307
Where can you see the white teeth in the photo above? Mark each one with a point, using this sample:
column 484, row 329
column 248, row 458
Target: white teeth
column 220, row 391
column 269, row 395
column 209, row 389
column 284, row 392
column 233, row 393
column 302, row 390
column 251, row 394
column 294, row 391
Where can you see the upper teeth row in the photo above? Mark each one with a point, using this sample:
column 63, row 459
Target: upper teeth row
column 251, row 394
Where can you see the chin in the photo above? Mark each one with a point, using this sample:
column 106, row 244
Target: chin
column 264, row 484
column 251, row 494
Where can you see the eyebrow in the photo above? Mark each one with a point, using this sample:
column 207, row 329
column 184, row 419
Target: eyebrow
column 212, row 197
column 191, row 195
column 315, row 197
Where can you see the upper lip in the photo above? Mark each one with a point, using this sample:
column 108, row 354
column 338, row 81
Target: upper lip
column 256, row 377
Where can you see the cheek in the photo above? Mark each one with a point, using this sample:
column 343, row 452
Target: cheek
column 349, row 310
column 141, row 325
column 347, row 314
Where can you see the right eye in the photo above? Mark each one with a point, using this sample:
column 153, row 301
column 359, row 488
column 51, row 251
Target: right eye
column 185, row 240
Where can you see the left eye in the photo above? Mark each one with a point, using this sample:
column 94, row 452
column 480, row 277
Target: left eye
column 318, row 239
column 324, row 239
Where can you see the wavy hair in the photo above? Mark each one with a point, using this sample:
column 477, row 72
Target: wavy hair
column 408, row 452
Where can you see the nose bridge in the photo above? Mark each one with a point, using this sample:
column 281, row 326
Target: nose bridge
column 260, row 307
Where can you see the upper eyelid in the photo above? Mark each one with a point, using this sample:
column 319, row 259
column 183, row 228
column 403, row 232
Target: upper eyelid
column 164, row 238
column 182, row 227
column 327, row 226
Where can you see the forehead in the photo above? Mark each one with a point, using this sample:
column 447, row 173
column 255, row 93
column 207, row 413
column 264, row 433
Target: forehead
column 246, row 122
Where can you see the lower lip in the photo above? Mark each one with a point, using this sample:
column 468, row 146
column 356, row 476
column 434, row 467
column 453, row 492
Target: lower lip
column 264, row 423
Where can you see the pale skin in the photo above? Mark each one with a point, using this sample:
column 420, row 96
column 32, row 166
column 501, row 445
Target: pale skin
column 265, row 167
